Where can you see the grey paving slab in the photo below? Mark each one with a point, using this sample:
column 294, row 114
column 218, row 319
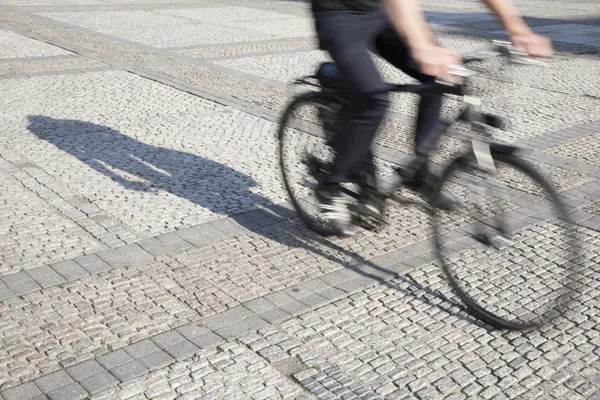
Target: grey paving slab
column 192, row 330
column 156, row 360
column 141, row 349
column 99, row 382
column 242, row 327
column 182, row 350
column 85, row 370
column 70, row 270
column 26, row 391
column 129, row 371
column 115, row 359
column 92, row 263
column 207, row 340
column 70, row 392
column 54, row 381
column 50, row 280
column 229, row 317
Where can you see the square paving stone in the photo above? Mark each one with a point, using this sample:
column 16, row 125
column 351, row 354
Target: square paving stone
column 258, row 305
column 14, row 279
column 70, row 270
column 54, row 381
column 70, row 392
column 39, row 272
column 141, row 349
column 26, row 391
column 24, row 287
column 274, row 315
column 97, row 383
column 182, row 350
column 168, row 339
column 156, row 360
column 192, row 330
column 207, row 340
column 6, row 293
column 115, row 359
column 92, row 263
column 253, row 323
column 50, row 280
column 129, row 371
column 85, row 370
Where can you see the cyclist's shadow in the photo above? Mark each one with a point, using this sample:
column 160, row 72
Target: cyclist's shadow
column 139, row 166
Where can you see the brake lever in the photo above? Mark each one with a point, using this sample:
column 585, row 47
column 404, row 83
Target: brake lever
column 517, row 56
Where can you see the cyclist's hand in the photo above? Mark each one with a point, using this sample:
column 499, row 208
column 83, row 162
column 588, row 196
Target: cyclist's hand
column 533, row 44
column 434, row 60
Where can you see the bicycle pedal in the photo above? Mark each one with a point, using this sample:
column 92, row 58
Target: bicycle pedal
column 366, row 219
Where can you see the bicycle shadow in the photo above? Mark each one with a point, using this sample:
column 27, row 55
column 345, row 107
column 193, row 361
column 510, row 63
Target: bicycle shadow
column 139, row 166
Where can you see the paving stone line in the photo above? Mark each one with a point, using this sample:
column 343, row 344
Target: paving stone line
column 183, row 342
column 551, row 139
column 58, row 72
column 259, row 111
column 138, row 253
column 147, row 250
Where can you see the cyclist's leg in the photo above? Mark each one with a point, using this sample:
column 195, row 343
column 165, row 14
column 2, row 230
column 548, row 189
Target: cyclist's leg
column 347, row 37
column 428, row 128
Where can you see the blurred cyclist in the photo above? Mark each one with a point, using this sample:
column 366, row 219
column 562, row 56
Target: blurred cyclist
column 397, row 31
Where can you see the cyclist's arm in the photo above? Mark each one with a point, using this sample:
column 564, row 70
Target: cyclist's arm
column 509, row 16
column 409, row 22
column 521, row 35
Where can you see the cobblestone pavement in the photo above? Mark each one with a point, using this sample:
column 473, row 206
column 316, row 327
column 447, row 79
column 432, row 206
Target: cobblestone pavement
column 147, row 249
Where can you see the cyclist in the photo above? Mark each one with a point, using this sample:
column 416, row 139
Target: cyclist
column 397, row 31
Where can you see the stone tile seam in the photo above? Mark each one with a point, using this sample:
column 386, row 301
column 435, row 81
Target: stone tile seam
column 56, row 72
column 139, row 248
column 192, row 341
column 112, row 7
column 38, row 58
column 566, row 135
column 340, row 279
column 231, row 45
column 257, row 54
column 61, row 211
column 230, row 101
column 193, row 89
column 217, row 97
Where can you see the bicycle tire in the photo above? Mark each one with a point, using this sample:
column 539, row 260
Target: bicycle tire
column 568, row 283
column 321, row 101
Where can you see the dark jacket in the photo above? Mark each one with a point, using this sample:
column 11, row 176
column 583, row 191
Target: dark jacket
column 344, row 5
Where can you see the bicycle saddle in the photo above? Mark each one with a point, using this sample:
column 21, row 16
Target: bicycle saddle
column 328, row 75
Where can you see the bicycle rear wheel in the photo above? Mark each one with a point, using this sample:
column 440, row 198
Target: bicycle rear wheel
column 517, row 214
column 304, row 130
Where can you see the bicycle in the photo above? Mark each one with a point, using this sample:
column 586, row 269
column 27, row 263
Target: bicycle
column 480, row 286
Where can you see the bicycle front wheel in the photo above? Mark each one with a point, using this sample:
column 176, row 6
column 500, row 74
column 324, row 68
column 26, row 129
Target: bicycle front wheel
column 304, row 131
column 508, row 247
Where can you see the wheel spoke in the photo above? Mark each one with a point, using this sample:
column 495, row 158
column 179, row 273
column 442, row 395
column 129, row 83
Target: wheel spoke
column 509, row 268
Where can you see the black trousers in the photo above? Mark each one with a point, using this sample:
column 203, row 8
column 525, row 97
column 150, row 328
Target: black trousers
column 348, row 37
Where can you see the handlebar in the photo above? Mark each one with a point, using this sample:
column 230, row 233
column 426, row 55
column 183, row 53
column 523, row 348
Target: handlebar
column 502, row 49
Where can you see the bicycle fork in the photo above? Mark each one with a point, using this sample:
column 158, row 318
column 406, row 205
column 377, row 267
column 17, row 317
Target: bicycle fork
column 495, row 233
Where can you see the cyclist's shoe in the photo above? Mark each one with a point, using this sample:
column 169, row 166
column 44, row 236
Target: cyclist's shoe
column 316, row 166
column 369, row 211
column 417, row 177
column 334, row 209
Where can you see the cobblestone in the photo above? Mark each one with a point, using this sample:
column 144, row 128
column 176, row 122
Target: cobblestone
column 121, row 279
